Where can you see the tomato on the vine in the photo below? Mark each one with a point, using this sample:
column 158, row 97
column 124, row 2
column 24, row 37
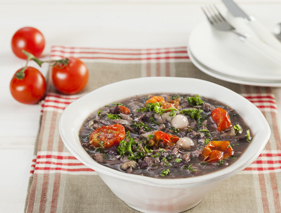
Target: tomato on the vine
column 70, row 78
column 28, row 86
column 29, row 39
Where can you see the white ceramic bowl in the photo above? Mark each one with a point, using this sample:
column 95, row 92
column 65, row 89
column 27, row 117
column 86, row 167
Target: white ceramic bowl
column 148, row 194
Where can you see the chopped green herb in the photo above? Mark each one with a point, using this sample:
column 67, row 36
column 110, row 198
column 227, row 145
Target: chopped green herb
column 238, row 129
column 203, row 130
column 147, row 150
column 221, row 162
column 141, row 125
column 203, row 163
column 155, row 156
column 207, row 134
column 156, row 107
column 176, row 96
column 99, row 112
column 195, row 100
column 190, row 168
column 173, row 112
column 174, row 130
column 166, row 162
column 152, row 120
column 150, row 137
column 113, row 116
column 117, row 104
column 162, row 150
column 165, row 172
column 178, row 160
column 193, row 113
column 249, row 138
column 151, row 107
column 207, row 140
column 125, row 146
column 101, row 144
column 228, row 146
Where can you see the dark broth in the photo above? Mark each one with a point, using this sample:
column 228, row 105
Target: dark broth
column 174, row 158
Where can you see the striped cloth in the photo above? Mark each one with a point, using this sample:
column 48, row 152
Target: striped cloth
column 60, row 183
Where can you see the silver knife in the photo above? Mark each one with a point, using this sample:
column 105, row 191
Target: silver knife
column 261, row 31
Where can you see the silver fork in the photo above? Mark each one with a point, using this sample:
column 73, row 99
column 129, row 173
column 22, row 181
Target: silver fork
column 217, row 20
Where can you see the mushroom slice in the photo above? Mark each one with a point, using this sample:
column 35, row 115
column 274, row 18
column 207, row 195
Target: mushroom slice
column 180, row 121
column 129, row 164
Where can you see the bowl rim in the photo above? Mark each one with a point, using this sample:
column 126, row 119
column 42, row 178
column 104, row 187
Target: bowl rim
column 176, row 182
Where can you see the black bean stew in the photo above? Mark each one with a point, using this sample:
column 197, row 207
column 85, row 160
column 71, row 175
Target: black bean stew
column 165, row 135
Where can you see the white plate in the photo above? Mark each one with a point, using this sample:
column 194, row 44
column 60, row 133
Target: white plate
column 228, row 78
column 225, row 53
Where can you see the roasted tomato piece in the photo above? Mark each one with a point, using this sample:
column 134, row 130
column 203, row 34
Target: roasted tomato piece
column 167, row 105
column 217, row 150
column 175, row 102
column 155, row 99
column 124, row 110
column 107, row 136
column 166, row 138
column 221, row 118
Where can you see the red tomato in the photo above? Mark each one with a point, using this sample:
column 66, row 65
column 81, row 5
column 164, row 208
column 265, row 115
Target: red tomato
column 124, row 110
column 217, row 150
column 70, row 78
column 221, row 118
column 166, row 138
column 155, row 99
column 28, row 39
column 107, row 136
column 31, row 88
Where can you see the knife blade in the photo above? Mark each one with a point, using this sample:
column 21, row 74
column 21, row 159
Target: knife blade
column 235, row 10
column 263, row 34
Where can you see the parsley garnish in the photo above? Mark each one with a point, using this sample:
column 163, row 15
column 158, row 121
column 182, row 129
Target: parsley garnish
column 117, row 104
column 207, row 141
column 238, row 128
column 150, row 137
column 165, row 172
column 175, row 130
column 193, row 113
column 99, row 112
column 190, row 169
column 147, row 150
column 175, row 97
column 221, row 162
column 249, row 138
column 166, row 162
column 203, row 130
column 113, row 116
column 141, row 125
column 155, row 156
column 203, row 163
column 152, row 120
column 178, row 160
column 173, row 112
column 101, row 144
column 162, row 150
column 195, row 100
column 156, row 107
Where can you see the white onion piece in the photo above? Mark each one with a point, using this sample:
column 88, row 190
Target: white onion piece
column 179, row 122
column 185, row 142
column 166, row 116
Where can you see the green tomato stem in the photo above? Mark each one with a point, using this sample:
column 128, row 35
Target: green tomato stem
column 20, row 75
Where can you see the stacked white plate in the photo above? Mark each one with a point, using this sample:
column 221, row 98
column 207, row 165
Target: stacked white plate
column 223, row 56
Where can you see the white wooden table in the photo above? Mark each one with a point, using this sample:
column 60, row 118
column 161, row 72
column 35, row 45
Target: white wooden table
column 123, row 24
